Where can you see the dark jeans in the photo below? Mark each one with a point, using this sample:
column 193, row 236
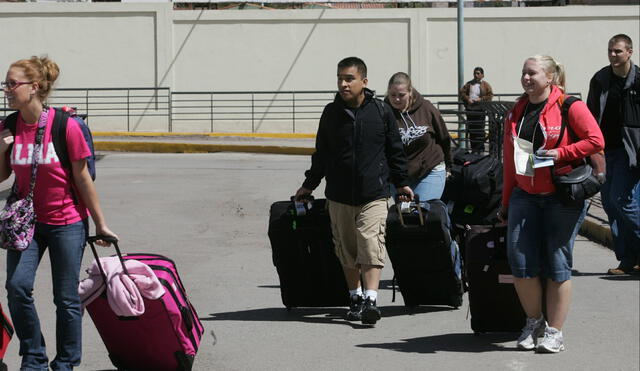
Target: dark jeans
column 475, row 128
column 621, row 201
column 541, row 234
column 66, row 247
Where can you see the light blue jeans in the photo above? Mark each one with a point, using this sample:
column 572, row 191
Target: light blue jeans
column 429, row 187
column 66, row 247
column 621, row 201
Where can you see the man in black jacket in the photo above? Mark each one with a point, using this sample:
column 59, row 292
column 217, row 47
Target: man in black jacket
column 614, row 100
column 358, row 149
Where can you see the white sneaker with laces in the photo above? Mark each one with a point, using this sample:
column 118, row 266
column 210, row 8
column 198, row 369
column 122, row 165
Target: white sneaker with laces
column 552, row 341
column 531, row 332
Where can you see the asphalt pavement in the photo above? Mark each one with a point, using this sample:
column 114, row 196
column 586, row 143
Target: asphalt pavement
column 209, row 212
column 595, row 226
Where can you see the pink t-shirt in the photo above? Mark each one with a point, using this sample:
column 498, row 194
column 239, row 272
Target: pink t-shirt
column 53, row 199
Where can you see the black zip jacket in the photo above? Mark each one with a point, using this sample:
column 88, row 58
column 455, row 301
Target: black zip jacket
column 357, row 154
column 630, row 126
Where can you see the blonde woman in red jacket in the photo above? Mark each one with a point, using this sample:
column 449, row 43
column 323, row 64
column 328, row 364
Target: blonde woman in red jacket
column 541, row 230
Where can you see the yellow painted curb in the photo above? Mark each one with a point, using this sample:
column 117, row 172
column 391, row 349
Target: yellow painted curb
column 165, row 134
column 157, row 147
column 596, row 232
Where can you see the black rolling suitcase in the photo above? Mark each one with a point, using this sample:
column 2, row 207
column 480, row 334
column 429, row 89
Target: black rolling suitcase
column 493, row 300
column 303, row 254
column 425, row 259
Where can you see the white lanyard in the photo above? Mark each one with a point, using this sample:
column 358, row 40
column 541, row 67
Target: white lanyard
column 523, row 150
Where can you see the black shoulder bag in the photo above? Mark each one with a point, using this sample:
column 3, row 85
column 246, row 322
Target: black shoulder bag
column 580, row 183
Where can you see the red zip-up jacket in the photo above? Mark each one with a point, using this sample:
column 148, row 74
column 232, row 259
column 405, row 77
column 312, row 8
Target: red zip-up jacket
column 581, row 121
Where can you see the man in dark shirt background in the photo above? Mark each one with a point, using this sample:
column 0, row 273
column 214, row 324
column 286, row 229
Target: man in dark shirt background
column 614, row 100
column 472, row 94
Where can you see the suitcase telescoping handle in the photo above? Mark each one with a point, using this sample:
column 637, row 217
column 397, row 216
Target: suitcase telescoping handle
column 302, row 205
column 114, row 241
column 417, row 204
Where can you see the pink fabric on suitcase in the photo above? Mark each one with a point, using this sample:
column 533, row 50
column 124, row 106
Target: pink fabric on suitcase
column 165, row 338
column 124, row 292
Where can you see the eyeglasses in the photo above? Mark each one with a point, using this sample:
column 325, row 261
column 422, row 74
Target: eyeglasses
column 13, row 85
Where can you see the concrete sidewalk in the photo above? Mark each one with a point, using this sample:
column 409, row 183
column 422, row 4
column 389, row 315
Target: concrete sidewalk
column 595, row 226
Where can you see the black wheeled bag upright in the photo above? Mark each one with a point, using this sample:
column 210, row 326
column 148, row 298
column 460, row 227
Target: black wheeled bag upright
column 425, row 259
column 493, row 301
column 303, row 254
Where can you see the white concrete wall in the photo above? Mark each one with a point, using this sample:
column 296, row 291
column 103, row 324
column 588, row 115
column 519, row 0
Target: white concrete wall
column 143, row 45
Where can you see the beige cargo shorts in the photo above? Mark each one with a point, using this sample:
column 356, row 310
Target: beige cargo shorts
column 359, row 232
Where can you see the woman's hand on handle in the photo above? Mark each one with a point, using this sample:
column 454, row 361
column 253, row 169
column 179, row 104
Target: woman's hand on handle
column 405, row 194
column 104, row 231
column 502, row 214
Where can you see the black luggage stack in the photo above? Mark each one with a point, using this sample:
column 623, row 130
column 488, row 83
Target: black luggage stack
column 474, row 195
column 425, row 259
column 493, row 301
column 473, row 192
column 303, row 254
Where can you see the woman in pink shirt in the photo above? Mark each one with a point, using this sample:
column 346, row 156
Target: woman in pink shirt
column 541, row 228
column 63, row 198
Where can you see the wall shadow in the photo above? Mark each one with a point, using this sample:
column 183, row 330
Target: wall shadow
column 460, row 342
column 168, row 70
column 286, row 75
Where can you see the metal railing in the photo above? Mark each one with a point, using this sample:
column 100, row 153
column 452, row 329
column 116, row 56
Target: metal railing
column 122, row 105
column 255, row 108
column 160, row 109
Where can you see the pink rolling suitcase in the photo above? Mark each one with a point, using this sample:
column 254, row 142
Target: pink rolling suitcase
column 165, row 338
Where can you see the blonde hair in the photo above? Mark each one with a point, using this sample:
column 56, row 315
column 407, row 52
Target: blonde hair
column 41, row 70
column 552, row 68
column 401, row 78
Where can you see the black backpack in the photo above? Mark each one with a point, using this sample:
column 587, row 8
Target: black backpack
column 474, row 189
column 59, row 136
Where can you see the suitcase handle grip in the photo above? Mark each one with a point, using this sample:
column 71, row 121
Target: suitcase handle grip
column 92, row 240
column 110, row 239
column 305, row 198
column 418, row 207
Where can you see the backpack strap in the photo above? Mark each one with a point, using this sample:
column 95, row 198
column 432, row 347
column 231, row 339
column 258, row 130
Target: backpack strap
column 10, row 122
column 59, row 137
column 565, row 103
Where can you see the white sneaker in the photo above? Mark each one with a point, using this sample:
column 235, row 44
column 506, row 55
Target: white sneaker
column 531, row 332
column 552, row 341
